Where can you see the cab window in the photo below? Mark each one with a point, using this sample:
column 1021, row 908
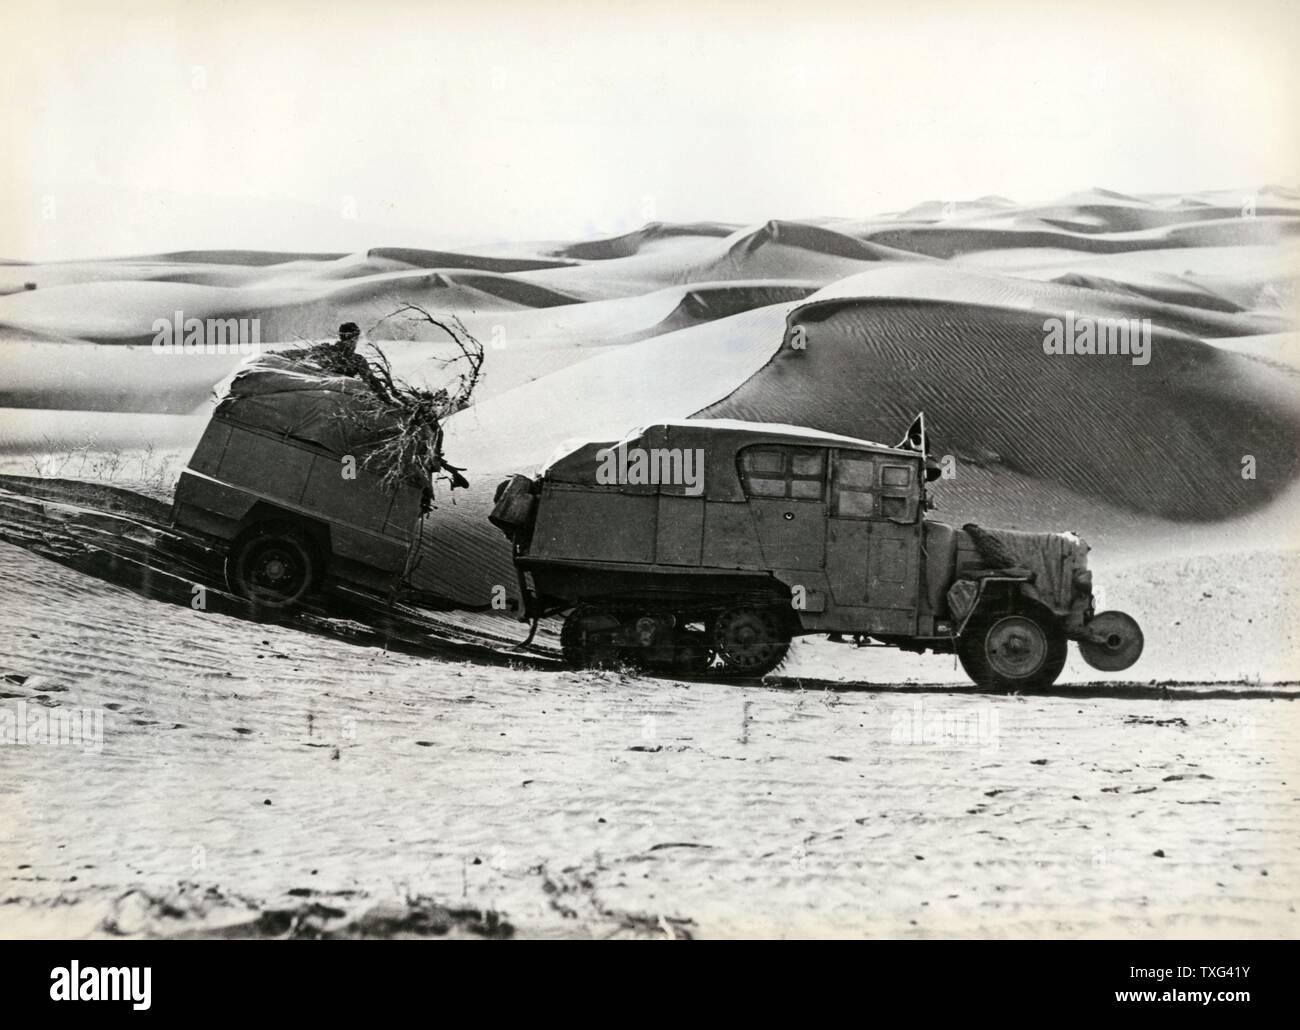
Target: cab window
column 896, row 475
column 853, row 495
column 793, row 472
column 900, row 491
column 866, row 486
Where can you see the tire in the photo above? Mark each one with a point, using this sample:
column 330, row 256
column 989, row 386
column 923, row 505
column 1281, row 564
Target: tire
column 1017, row 649
column 274, row 564
column 750, row 641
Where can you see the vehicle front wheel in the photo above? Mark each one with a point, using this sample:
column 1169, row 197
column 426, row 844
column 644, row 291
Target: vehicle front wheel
column 1020, row 649
column 274, row 565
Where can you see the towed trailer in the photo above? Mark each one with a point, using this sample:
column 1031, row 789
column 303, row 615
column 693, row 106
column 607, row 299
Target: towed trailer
column 706, row 546
column 291, row 516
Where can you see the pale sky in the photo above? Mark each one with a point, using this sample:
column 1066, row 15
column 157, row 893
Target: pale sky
column 143, row 126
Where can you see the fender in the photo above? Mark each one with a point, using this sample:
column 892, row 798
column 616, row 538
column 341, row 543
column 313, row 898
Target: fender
column 980, row 593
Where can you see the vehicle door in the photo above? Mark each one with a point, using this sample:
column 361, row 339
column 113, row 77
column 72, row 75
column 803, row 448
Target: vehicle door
column 786, row 489
column 872, row 538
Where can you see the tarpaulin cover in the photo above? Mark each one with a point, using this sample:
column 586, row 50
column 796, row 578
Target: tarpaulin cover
column 1052, row 557
column 338, row 413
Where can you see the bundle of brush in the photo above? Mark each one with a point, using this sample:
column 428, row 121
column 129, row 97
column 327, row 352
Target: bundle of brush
column 401, row 424
column 407, row 444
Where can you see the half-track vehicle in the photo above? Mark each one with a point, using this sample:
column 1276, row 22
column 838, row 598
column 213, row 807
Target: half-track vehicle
column 704, row 547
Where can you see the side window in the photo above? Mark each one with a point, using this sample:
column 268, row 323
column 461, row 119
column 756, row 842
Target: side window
column 853, row 495
column 795, row 472
column 763, row 472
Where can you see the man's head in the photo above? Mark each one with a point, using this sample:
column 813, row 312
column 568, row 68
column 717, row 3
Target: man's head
column 349, row 334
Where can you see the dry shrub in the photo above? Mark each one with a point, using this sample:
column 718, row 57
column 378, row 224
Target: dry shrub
column 402, row 422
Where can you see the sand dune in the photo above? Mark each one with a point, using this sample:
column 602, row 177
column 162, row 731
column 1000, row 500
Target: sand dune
column 951, row 240
column 1282, row 349
column 1093, row 221
column 1081, row 294
column 120, row 310
column 451, row 259
column 256, row 258
column 17, row 278
column 1176, row 291
column 15, row 334
column 1166, row 439
column 774, row 250
column 524, row 342
column 634, row 242
column 117, row 379
column 676, row 374
column 1110, row 218
column 620, row 320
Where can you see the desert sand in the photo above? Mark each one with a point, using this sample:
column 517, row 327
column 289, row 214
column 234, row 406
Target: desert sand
column 335, row 777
